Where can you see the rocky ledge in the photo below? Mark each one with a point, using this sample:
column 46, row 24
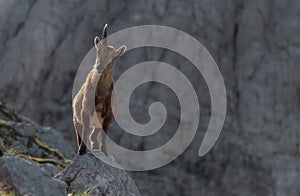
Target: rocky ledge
column 36, row 160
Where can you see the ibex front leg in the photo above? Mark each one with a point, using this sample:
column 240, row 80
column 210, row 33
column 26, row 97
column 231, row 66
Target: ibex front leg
column 104, row 133
column 93, row 138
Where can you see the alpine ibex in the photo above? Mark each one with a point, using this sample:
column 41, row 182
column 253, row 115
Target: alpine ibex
column 100, row 79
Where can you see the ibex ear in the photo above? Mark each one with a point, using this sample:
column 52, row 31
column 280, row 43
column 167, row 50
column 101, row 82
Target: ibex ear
column 97, row 42
column 120, row 51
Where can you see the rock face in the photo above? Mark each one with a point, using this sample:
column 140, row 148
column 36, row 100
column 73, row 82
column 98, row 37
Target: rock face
column 32, row 155
column 22, row 137
column 89, row 173
column 255, row 44
column 85, row 174
column 26, row 178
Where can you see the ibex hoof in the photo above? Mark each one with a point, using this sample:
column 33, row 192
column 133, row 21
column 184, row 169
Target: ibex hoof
column 94, row 146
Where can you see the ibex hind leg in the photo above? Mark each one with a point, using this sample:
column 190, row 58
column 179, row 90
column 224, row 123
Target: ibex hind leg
column 84, row 134
column 78, row 130
column 82, row 148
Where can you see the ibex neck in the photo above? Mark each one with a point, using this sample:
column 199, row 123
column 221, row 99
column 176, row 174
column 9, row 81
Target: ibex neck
column 107, row 75
column 104, row 76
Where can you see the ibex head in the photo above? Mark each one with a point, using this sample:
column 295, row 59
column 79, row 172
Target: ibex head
column 106, row 54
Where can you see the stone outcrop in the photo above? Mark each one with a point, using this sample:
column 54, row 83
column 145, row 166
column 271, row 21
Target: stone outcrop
column 87, row 172
column 32, row 156
column 26, row 178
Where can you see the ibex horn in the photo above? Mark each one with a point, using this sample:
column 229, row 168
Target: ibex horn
column 104, row 34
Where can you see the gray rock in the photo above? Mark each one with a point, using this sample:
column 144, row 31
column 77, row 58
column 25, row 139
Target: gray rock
column 54, row 138
column 47, row 134
column 27, row 178
column 52, row 169
column 89, row 173
column 47, row 147
column 20, row 135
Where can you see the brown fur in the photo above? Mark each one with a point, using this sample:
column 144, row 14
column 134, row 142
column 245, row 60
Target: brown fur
column 97, row 88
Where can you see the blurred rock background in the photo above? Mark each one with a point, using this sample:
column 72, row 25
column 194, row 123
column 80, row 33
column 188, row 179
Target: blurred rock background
column 255, row 43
